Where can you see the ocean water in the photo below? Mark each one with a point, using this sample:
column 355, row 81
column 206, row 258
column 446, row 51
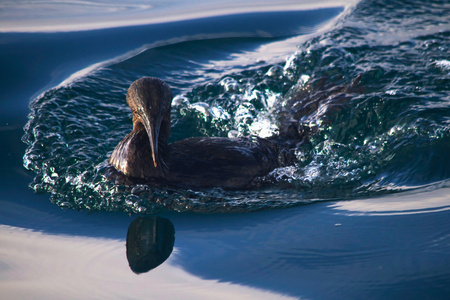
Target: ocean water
column 369, row 81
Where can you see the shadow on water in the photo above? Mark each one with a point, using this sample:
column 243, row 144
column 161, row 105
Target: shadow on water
column 394, row 244
column 150, row 242
column 317, row 250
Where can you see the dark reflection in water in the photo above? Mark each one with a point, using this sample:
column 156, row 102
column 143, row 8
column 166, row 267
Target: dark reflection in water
column 149, row 243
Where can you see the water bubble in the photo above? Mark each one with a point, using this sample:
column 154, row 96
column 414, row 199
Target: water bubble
column 202, row 108
column 263, row 127
column 230, row 84
column 288, row 174
column 255, row 97
column 395, row 130
column 312, row 173
column 275, row 71
column 391, row 92
column 234, row 134
column 245, row 113
column 219, row 113
column 304, row 79
column 181, row 101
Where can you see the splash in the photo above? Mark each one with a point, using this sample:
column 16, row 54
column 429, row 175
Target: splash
column 375, row 110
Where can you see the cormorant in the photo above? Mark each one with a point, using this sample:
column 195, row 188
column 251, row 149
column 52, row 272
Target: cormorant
column 145, row 154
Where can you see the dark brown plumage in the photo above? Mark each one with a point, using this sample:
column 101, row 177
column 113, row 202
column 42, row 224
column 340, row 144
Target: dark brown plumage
column 195, row 162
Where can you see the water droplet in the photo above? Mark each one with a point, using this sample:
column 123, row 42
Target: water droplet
column 275, row 71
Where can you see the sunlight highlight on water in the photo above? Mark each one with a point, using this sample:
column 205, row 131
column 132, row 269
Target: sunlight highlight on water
column 44, row 273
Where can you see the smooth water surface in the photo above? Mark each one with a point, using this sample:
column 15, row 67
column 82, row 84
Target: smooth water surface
column 370, row 82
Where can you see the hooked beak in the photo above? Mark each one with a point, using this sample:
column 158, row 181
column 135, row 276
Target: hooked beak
column 153, row 134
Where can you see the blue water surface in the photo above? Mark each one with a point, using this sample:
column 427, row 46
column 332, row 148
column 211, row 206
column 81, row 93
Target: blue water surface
column 365, row 212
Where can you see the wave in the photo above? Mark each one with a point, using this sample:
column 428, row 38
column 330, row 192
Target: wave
column 373, row 92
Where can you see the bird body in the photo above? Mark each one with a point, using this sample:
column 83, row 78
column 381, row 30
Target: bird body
column 223, row 162
column 194, row 162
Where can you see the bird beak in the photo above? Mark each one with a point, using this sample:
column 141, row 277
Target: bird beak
column 153, row 134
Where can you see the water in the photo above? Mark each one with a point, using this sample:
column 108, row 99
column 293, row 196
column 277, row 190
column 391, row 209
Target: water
column 387, row 132
column 371, row 84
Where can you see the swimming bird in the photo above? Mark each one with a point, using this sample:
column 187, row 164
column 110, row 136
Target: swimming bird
column 145, row 154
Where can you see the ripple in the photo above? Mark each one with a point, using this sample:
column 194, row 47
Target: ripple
column 407, row 203
column 376, row 117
